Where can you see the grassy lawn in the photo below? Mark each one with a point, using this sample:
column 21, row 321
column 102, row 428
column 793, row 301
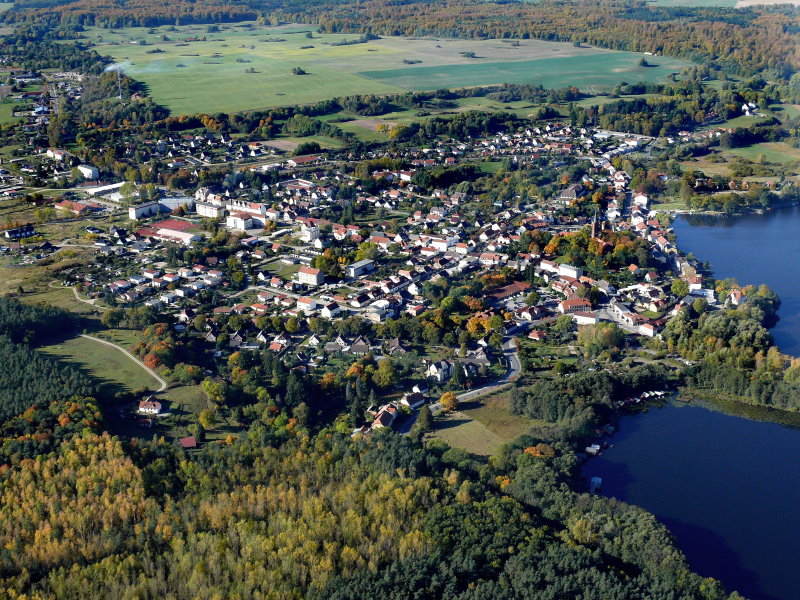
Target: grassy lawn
column 460, row 431
column 323, row 141
column 123, row 337
column 492, row 166
column 7, row 106
column 62, row 298
column 35, row 277
column 670, row 205
column 694, row 3
column 112, row 369
column 481, row 426
column 279, row 268
column 184, row 404
column 494, row 413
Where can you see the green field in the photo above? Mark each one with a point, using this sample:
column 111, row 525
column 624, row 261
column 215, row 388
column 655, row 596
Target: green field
column 113, row 370
column 772, row 152
column 693, row 3
column 462, row 432
column 593, row 72
column 481, row 426
column 190, row 69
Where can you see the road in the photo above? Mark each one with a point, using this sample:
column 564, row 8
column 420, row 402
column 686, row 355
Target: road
column 512, row 372
column 78, row 298
column 134, row 358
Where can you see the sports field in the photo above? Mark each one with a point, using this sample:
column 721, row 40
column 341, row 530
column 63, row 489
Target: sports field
column 247, row 66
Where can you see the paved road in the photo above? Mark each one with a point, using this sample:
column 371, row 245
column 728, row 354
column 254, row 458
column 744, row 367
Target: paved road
column 134, row 358
column 512, row 372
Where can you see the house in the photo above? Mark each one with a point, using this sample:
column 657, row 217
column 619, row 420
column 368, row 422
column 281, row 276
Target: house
column 585, row 318
column 573, row 192
column 441, row 370
column 88, row 171
column 736, row 297
column 19, row 233
column 151, row 406
column 385, row 417
column 489, row 259
column 188, row 443
column 574, row 305
column 414, row 400
column 395, row 348
column 360, row 346
column 330, row 310
column 306, row 304
column 303, row 161
column 310, row 276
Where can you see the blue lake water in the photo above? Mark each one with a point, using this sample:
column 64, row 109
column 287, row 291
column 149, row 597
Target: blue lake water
column 754, row 249
column 728, row 488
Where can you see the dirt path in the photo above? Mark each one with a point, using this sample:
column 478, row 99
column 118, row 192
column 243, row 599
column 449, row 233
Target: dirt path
column 135, row 359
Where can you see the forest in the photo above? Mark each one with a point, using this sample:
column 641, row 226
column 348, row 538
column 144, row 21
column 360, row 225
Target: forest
column 281, row 513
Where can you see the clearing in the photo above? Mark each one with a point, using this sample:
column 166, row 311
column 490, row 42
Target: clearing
column 112, row 369
column 481, row 426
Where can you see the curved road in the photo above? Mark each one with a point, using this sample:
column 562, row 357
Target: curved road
column 514, row 368
column 511, row 374
column 77, row 296
column 135, row 359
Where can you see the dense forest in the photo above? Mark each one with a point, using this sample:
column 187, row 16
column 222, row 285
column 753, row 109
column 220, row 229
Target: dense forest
column 324, row 516
column 296, row 508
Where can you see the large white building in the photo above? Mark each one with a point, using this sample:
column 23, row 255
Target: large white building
column 89, row 172
column 143, row 210
column 310, row 276
column 211, row 211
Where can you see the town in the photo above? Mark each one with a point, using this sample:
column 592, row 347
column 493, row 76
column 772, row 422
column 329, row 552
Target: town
column 299, row 258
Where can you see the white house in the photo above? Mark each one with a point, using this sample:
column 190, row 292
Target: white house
column 441, row 370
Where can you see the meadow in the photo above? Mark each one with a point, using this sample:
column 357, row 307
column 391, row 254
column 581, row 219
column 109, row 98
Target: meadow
column 593, row 73
column 110, row 367
column 248, row 66
column 483, row 425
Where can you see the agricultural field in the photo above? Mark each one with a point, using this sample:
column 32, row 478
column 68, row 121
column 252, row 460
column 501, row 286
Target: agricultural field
column 112, row 369
column 248, row 66
column 771, row 152
column 694, row 3
column 593, row 71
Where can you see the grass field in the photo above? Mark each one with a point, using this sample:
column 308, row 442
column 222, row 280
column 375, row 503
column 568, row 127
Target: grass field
column 7, row 108
column 462, row 432
column 112, row 369
column 481, row 426
column 693, row 3
column 592, row 72
column 189, row 69
column 773, row 152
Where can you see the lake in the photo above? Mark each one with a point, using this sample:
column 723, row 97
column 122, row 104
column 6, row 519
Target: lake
column 727, row 487
column 754, row 249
